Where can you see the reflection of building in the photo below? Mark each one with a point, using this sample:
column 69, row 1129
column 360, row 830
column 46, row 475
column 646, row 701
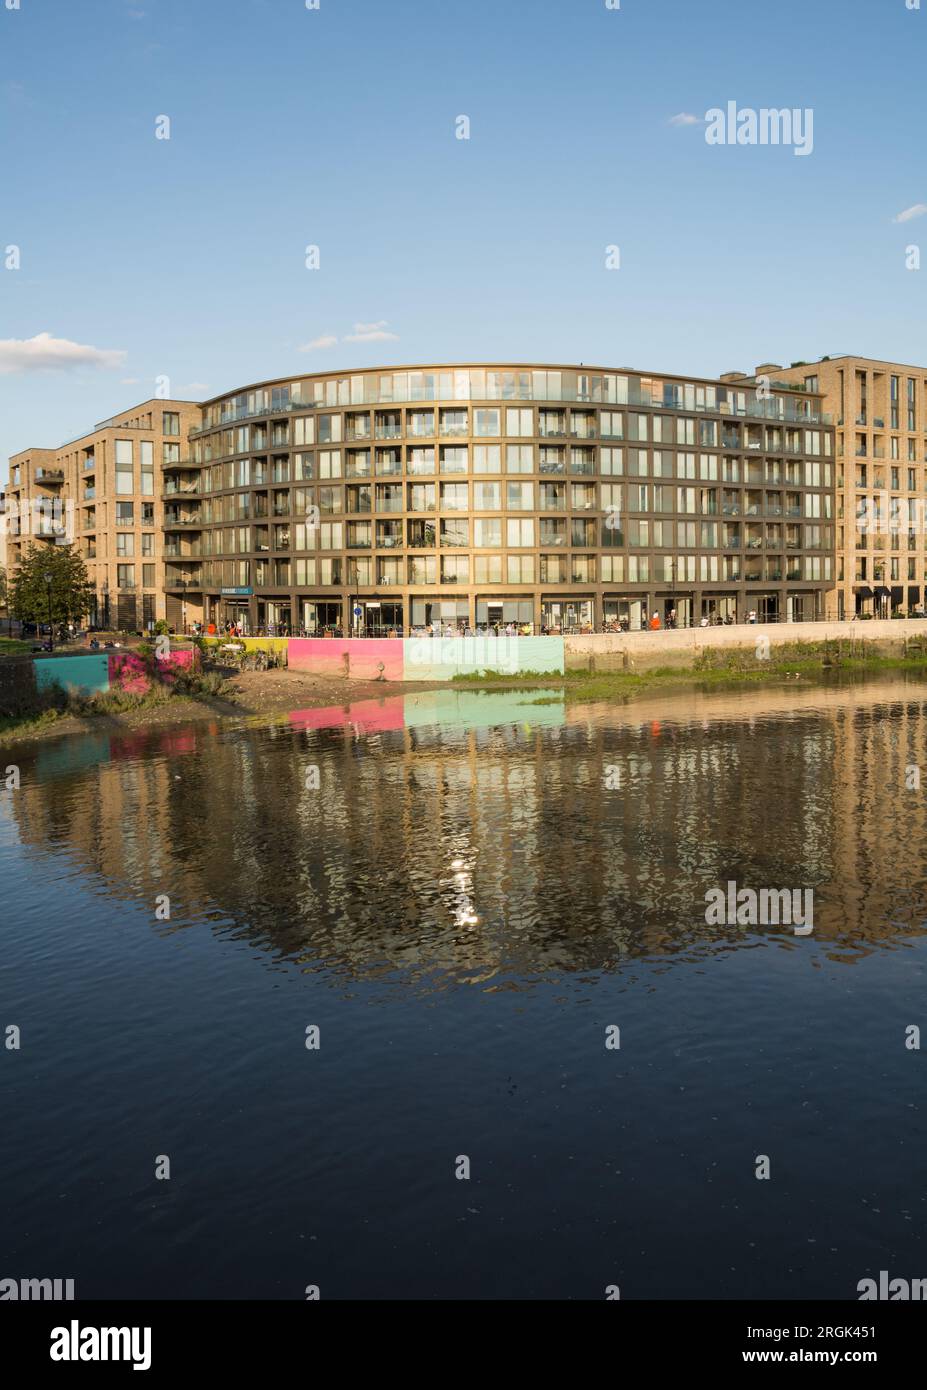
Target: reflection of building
column 559, row 497
column 880, row 410
column 112, row 494
column 504, row 852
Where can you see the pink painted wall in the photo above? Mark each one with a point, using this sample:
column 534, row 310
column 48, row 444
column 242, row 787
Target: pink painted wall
column 338, row 656
column 128, row 671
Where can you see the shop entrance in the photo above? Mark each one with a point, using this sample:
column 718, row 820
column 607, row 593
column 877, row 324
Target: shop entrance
column 567, row 615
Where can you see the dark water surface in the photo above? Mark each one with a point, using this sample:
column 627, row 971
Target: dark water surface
column 451, row 891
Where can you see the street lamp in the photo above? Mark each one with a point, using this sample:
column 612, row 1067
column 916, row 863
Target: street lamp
column 49, row 579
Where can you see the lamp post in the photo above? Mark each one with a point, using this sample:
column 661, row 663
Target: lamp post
column 49, row 579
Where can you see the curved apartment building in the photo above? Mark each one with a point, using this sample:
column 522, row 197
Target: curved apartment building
column 552, row 497
column 555, row 497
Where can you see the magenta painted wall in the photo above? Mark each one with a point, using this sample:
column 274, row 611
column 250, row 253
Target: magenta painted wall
column 128, row 671
column 360, row 659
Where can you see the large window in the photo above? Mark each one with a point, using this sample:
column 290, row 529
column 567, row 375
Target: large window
column 487, row 532
column 519, row 497
column 486, row 423
column 455, row 497
column 519, row 533
column 519, row 458
column 487, row 458
column 125, row 483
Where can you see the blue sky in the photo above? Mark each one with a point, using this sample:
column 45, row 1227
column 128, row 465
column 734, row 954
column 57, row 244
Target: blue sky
column 336, row 127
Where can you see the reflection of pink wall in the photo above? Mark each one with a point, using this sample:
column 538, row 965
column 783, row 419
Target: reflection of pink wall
column 370, row 716
column 128, row 671
column 360, row 659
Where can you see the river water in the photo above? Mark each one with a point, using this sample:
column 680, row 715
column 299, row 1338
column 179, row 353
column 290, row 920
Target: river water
column 492, row 909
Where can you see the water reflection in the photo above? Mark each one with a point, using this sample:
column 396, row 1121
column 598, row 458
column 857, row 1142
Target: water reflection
column 502, row 839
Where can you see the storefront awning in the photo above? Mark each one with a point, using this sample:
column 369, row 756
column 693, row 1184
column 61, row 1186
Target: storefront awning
column 897, row 593
column 863, row 591
column 914, row 593
column 882, row 592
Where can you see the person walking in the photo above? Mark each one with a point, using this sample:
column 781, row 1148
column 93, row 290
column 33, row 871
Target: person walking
column 655, row 623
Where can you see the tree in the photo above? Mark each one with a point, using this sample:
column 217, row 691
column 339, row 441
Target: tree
column 4, row 598
column 71, row 589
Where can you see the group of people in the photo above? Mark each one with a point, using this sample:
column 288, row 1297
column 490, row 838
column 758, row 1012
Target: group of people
column 654, row 622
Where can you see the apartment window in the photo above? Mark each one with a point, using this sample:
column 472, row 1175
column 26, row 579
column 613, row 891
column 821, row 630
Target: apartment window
column 611, row 424
column 147, row 543
column 582, row 531
column 611, row 462
column 125, row 483
column 487, row 458
column 304, row 430
column 148, row 576
column 125, row 576
column 455, row 422
column 519, row 422
column 487, row 532
column 486, row 423
column 455, row 497
column 330, row 463
column 519, row 569
column 519, row 497
column 331, row 535
column 519, row 533
column 170, row 422
column 811, row 383
column 912, row 403
column 487, row 497
column 420, row 424
column 487, row 569
column 329, row 429
column 454, row 458
column 455, row 532
column 519, row 458
column 637, row 497
column 637, row 426
column 125, row 543
column 125, row 514
column 553, row 569
column 455, row 569
column 421, row 497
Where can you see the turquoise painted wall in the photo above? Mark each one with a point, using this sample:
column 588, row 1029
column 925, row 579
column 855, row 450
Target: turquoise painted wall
column 85, row 675
column 443, row 658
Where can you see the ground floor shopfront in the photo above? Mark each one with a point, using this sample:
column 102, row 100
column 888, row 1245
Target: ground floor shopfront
column 538, row 611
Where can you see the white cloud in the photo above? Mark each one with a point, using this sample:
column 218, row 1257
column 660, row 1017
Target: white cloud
column 371, row 333
column 685, row 118
column 909, row 214
column 45, row 353
column 318, row 343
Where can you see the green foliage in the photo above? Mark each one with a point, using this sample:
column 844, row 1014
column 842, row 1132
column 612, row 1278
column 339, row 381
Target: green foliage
column 50, row 585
